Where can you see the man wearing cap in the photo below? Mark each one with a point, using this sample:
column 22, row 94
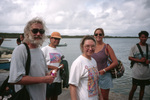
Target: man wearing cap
column 53, row 59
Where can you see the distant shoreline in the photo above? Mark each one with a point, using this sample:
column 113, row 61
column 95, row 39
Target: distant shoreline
column 16, row 35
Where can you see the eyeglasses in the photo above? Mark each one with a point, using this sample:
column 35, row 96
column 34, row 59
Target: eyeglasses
column 98, row 34
column 57, row 38
column 35, row 31
column 88, row 46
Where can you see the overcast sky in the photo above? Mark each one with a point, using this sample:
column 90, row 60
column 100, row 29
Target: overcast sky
column 78, row 17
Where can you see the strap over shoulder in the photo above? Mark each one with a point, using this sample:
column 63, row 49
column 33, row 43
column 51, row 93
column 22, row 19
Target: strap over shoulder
column 107, row 45
column 28, row 59
column 141, row 52
column 139, row 47
column 147, row 51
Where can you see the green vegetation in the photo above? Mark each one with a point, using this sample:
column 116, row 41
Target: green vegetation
column 16, row 35
column 10, row 35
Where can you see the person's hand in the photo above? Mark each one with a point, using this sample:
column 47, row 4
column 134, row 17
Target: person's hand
column 53, row 72
column 62, row 66
column 7, row 88
column 49, row 79
column 51, row 76
column 143, row 60
column 147, row 61
column 101, row 72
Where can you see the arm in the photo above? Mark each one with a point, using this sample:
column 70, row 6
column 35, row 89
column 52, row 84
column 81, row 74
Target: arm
column 142, row 60
column 113, row 58
column 73, row 92
column 137, row 60
column 52, row 67
column 55, row 68
column 26, row 80
column 147, row 61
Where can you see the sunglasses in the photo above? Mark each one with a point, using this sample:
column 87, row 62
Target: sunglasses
column 98, row 34
column 56, row 38
column 35, row 31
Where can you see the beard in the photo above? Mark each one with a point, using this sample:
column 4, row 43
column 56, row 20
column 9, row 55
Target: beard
column 36, row 40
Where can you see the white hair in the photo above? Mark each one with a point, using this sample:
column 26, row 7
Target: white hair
column 28, row 38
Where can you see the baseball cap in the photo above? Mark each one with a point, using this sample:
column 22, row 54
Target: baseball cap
column 56, row 35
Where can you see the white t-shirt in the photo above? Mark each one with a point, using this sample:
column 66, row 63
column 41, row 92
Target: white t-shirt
column 38, row 68
column 84, row 75
column 53, row 57
column 139, row 70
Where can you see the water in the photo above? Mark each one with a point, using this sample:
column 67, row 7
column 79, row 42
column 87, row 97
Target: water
column 121, row 47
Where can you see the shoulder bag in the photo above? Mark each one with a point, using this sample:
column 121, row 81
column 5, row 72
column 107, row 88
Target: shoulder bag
column 23, row 94
column 119, row 70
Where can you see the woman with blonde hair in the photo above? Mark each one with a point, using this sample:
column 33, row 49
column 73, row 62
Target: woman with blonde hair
column 101, row 53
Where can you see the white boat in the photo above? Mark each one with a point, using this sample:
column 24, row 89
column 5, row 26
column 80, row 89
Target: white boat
column 60, row 45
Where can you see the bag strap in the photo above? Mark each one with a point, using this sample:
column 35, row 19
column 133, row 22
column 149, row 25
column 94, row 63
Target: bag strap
column 109, row 59
column 107, row 49
column 28, row 59
column 146, row 51
column 141, row 52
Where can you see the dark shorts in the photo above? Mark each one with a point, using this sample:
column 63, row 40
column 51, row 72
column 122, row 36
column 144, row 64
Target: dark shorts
column 53, row 89
column 140, row 82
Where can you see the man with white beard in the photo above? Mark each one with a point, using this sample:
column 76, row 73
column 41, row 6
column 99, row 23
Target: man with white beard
column 34, row 33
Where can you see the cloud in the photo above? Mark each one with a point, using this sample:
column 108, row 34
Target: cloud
column 78, row 17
